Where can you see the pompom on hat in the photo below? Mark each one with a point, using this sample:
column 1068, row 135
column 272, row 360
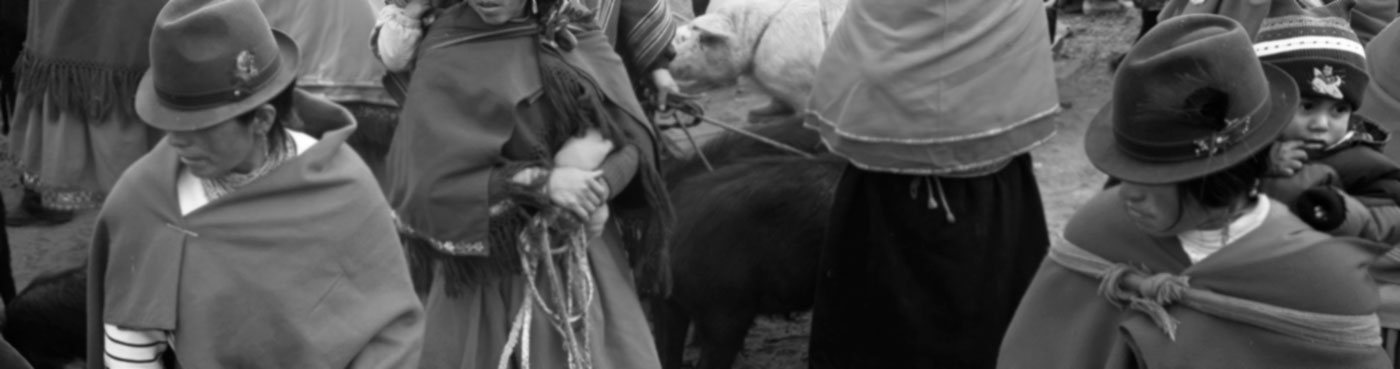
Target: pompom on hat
column 212, row 60
column 1190, row 99
column 1318, row 49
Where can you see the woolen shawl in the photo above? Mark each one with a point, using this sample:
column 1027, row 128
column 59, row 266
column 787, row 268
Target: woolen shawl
column 299, row 269
column 935, row 87
column 1282, row 263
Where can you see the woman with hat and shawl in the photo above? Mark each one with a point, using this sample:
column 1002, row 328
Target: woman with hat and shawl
column 1185, row 264
column 238, row 242
column 74, row 130
column 936, row 104
column 489, row 206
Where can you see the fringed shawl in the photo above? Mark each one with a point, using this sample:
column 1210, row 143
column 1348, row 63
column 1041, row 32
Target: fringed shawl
column 86, row 56
column 475, row 87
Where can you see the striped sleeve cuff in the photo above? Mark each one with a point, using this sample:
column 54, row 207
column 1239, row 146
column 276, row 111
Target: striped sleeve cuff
column 132, row 349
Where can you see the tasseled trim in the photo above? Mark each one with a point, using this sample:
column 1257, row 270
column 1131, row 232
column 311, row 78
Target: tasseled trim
column 646, row 234
column 501, row 253
column 88, row 89
column 575, row 98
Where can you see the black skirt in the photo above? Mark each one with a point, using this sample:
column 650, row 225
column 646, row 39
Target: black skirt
column 926, row 272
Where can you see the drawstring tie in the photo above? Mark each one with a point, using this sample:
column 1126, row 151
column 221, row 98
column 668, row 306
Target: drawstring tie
column 1151, row 296
column 929, row 183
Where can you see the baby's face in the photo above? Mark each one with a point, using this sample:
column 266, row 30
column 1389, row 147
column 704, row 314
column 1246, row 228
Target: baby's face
column 1318, row 123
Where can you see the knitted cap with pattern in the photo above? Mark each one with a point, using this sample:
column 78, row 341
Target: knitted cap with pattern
column 1321, row 53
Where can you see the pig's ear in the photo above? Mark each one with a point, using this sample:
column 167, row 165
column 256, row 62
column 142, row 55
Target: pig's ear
column 713, row 32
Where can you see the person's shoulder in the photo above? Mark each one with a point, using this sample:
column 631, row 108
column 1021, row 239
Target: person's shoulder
column 1282, row 221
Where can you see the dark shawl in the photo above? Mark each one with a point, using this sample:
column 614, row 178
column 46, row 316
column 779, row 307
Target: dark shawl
column 1362, row 167
column 87, row 56
column 1064, row 323
column 298, row 269
column 474, row 87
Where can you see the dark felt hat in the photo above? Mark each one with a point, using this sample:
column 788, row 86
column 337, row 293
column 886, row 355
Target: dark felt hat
column 1190, row 99
column 1383, row 94
column 212, row 60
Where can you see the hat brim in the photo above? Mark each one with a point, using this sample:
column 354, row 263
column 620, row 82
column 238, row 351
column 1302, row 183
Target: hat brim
column 1103, row 152
column 159, row 115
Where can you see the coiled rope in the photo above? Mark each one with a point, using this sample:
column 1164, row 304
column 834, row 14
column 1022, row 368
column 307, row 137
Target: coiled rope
column 570, row 288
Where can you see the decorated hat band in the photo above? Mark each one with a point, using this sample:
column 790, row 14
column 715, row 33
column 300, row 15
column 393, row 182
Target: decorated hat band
column 1151, row 151
column 246, row 79
column 1269, row 48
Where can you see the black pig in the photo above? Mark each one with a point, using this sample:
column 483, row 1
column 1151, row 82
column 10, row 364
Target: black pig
column 746, row 239
column 46, row 322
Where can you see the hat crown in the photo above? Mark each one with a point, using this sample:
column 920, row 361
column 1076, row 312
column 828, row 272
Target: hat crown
column 209, row 52
column 1190, row 88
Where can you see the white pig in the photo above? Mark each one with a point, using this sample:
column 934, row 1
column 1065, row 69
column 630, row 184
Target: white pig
column 775, row 43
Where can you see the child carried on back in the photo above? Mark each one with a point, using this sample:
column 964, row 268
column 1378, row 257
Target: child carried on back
column 1328, row 163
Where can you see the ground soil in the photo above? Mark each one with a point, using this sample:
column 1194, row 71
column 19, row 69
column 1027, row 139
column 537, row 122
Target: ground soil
column 1066, row 179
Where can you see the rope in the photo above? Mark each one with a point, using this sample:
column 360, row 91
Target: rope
column 746, row 133
column 571, row 287
column 1152, row 293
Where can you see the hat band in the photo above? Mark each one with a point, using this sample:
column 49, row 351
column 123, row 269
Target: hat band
column 1268, row 48
column 1235, row 131
column 237, row 92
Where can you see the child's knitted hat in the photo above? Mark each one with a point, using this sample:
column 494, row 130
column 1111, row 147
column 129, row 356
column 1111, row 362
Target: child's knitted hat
column 1320, row 52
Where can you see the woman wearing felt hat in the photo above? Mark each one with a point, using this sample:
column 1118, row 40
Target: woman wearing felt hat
column 238, row 242
column 1185, row 264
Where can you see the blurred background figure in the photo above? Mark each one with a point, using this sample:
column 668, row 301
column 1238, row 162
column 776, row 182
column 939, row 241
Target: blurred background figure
column 74, row 130
column 339, row 65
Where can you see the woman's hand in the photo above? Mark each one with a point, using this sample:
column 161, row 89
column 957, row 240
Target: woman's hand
column 577, row 190
column 597, row 221
column 1286, row 158
column 665, row 86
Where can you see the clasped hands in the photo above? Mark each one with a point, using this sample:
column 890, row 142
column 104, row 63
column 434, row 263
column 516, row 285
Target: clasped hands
column 576, row 184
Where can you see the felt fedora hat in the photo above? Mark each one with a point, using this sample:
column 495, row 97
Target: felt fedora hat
column 1190, row 99
column 212, row 60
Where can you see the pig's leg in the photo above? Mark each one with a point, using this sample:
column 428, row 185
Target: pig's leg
column 697, row 7
column 672, row 326
column 775, row 109
column 722, row 334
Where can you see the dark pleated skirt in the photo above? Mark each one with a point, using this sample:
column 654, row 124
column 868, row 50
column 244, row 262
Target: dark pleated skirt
column 907, row 284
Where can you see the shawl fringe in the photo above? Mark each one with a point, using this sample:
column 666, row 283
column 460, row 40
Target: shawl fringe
column 92, row 90
column 502, row 255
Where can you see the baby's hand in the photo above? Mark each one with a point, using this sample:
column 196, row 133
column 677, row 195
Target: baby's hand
column 585, row 152
column 1286, row 158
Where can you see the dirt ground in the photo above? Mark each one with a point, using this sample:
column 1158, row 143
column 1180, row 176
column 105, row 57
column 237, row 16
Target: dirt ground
column 1066, row 178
